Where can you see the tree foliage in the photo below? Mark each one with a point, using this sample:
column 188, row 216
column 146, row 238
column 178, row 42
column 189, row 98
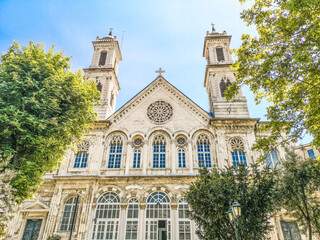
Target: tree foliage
column 299, row 191
column 212, row 194
column 281, row 64
column 44, row 107
column 8, row 203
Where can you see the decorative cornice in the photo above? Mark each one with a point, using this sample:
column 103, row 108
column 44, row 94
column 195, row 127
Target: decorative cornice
column 234, row 124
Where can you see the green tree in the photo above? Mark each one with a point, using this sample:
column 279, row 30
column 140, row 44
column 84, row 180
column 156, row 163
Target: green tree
column 212, row 194
column 281, row 64
column 44, row 108
column 299, row 191
column 8, row 203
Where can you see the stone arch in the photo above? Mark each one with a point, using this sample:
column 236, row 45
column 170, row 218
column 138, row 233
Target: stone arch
column 159, row 189
column 106, row 189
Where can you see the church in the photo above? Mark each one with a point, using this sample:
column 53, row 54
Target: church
column 128, row 177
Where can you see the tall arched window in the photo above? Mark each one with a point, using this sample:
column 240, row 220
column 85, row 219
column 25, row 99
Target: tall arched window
column 132, row 219
column 182, row 158
column 184, row 221
column 136, row 158
column 81, row 159
column 272, row 159
column 159, row 152
column 103, row 58
column 238, row 155
column 106, row 221
column 68, row 214
column 158, row 217
column 224, row 84
column 220, row 55
column 203, row 148
column 115, row 152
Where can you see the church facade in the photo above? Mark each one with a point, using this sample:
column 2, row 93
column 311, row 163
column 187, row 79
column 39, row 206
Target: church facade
column 128, row 177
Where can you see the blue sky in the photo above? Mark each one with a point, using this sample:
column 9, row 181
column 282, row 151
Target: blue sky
column 167, row 33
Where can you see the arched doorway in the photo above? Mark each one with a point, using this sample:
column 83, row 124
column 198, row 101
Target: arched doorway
column 158, row 224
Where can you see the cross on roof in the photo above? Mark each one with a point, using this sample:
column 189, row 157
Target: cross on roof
column 160, row 71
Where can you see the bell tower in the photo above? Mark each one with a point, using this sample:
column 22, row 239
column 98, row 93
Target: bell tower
column 103, row 70
column 219, row 76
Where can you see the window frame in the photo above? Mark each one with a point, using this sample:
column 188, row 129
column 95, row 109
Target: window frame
column 204, row 151
column 136, row 158
column 72, row 212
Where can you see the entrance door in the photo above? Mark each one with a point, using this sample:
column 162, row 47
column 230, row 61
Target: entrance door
column 162, row 230
column 32, row 229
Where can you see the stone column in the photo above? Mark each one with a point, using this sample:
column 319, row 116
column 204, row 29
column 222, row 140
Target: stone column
column 142, row 221
column 174, row 221
column 173, row 156
column 144, row 158
column 52, row 220
column 84, row 210
column 129, row 158
column 122, row 223
column 190, row 158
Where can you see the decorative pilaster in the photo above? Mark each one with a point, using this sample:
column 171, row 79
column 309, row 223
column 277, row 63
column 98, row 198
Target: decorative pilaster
column 52, row 220
column 174, row 221
column 144, row 157
column 122, row 224
column 173, row 156
column 190, row 156
column 129, row 158
column 142, row 220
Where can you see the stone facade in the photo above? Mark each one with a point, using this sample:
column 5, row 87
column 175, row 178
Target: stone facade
column 130, row 174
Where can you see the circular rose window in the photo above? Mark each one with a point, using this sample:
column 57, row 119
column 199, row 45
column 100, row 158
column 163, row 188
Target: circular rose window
column 159, row 111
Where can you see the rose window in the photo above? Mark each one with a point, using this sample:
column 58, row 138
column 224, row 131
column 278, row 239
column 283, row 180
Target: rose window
column 159, row 111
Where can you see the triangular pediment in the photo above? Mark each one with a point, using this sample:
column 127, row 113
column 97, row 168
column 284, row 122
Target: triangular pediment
column 35, row 207
column 160, row 84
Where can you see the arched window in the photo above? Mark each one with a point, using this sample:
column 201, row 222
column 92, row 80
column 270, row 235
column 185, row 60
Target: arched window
column 203, row 148
column 103, row 57
column 99, row 86
column 184, row 221
column 132, row 219
column 106, row 221
column 238, row 155
column 158, row 216
column 68, row 214
column 81, row 158
column 159, row 152
column 272, row 159
column 224, row 84
column 115, row 152
column 182, row 158
column 136, row 158
column 220, row 56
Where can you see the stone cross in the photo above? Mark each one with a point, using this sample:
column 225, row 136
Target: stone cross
column 160, row 71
